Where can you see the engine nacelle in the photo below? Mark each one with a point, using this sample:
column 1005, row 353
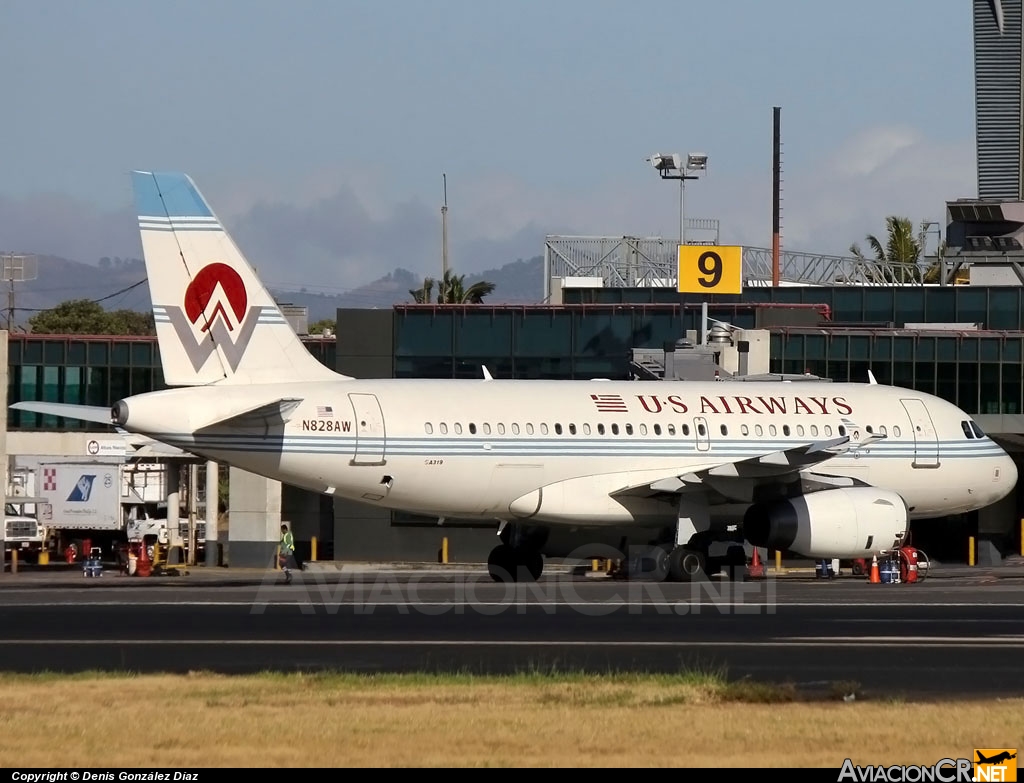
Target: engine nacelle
column 834, row 523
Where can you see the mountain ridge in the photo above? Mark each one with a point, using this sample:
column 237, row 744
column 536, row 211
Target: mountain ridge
column 111, row 280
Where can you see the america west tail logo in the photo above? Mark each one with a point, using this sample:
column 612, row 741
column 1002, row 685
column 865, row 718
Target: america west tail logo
column 228, row 325
column 82, row 489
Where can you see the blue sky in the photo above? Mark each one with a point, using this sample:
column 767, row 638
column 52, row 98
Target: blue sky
column 319, row 130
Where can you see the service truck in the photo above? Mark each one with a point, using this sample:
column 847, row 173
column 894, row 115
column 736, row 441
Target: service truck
column 22, row 532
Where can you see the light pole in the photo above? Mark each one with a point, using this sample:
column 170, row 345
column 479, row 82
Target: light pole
column 670, row 166
column 938, row 248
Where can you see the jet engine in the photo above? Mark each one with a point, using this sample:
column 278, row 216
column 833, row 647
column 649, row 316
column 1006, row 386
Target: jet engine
column 834, row 523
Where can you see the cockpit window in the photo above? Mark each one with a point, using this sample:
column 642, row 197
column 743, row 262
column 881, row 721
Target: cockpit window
column 966, row 427
column 977, row 430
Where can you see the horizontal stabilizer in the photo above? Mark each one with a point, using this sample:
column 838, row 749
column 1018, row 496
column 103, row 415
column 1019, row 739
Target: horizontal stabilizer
column 270, row 414
column 98, row 414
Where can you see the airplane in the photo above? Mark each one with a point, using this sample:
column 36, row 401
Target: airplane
column 996, row 759
column 822, row 469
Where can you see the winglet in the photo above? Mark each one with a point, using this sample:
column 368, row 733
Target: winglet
column 871, row 378
column 487, row 373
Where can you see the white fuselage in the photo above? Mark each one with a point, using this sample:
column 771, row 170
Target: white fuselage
column 482, row 449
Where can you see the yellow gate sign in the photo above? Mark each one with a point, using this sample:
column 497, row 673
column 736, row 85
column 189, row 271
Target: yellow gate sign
column 706, row 269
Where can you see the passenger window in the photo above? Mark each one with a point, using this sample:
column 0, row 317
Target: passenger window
column 744, row 430
column 842, row 430
column 814, row 430
column 572, row 429
column 586, row 429
column 487, row 429
column 501, row 429
column 529, row 429
column 896, row 431
column 600, row 429
column 725, row 430
column 657, row 429
column 558, row 429
column 685, row 429
column 643, row 429
column 444, row 428
column 701, row 429
column 629, row 429
column 800, row 430
column 615, row 429
column 429, row 428
column 868, row 428
column 772, row 430
column 458, row 428
column 828, row 429
column 758, row 430
column 671, row 429
column 881, row 430
column 472, row 429
column 785, row 429
column 543, row 429
column 515, row 429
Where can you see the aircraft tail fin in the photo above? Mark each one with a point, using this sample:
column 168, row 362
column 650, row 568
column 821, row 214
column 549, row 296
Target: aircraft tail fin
column 215, row 321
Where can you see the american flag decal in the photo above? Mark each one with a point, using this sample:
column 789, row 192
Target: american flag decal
column 609, row 403
column 49, row 479
column 324, row 411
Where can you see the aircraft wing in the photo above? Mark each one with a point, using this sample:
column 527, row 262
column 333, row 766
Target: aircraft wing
column 269, row 414
column 738, row 479
column 98, row 414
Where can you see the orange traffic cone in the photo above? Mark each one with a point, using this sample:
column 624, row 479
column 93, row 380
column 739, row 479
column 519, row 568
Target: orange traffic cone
column 756, row 568
column 875, row 578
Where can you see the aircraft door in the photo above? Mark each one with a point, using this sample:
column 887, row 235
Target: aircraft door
column 926, row 440
column 702, row 433
column 370, row 436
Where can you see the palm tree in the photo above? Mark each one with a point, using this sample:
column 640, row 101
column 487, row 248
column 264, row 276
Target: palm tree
column 423, row 294
column 451, row 289
column 902, row 250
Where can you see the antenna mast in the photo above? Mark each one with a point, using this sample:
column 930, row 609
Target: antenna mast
column 17, row 268
column 444, row 230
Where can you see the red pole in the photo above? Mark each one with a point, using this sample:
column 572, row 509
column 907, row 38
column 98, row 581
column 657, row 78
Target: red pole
column 776, row 193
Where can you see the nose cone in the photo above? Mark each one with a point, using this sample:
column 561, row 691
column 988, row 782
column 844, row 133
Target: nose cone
column 1007, row 473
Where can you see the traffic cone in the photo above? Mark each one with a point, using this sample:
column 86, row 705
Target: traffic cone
column 756, row 568
column 875, row 578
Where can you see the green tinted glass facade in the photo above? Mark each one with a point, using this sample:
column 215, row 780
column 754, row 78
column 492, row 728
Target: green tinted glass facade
column 993, row 307
column 980, row 372
column 579, row 342
column 90, row 371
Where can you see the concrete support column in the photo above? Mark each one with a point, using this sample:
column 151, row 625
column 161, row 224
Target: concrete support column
column 254, row 527
column 212, row 503
column 173, row 506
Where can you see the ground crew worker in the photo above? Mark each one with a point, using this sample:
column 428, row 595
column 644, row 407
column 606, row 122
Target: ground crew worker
column 287, row 554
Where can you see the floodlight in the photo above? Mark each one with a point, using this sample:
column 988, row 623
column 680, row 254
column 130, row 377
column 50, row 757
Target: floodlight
column 696, row 161
column 666, row 161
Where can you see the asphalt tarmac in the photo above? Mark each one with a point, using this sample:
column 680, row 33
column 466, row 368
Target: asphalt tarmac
column 957, row 637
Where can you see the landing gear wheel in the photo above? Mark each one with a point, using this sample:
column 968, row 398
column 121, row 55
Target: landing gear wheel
column 534, row 562
column 501, row 563
column 736, row 557
column 686, row 565
column 506, row 564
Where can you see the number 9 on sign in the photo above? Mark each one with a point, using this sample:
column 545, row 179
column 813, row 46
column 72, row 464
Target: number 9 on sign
column 707, row 269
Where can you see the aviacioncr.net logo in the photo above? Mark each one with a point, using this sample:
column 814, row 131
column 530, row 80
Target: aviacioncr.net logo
column 943, row 771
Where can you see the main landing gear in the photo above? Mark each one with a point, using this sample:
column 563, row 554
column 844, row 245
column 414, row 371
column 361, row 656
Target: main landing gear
column 698, row 559
column 506, row 563
column 694, row 553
